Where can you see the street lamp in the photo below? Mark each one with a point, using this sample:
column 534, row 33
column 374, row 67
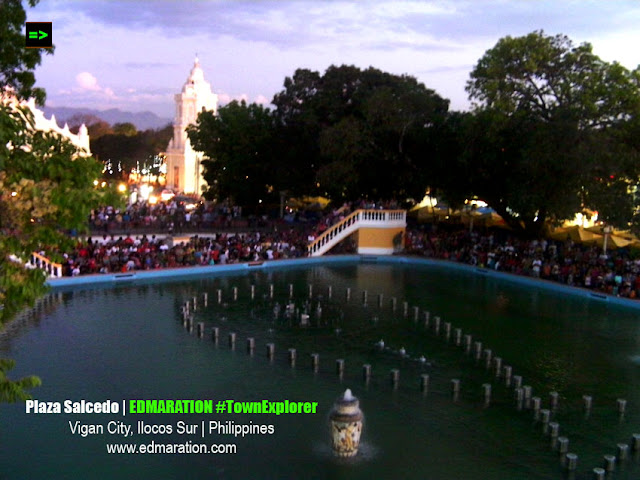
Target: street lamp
column 283, row 194
column 607, row 231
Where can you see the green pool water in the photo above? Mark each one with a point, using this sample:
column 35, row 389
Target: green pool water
column 129, row 342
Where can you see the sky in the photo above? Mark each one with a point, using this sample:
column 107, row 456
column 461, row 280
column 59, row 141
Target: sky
column 136, row 54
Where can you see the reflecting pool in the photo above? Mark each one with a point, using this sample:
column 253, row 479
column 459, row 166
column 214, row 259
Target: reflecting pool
column 130, row 342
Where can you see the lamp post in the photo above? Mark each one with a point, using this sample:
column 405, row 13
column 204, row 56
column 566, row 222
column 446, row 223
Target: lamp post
column 471, row 211
column 283, row 194
column 607, row 231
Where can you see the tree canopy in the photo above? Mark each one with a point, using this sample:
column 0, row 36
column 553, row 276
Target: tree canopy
column 346, row 134
column 548, row 135
column 46, row 187
column 549, row 78
column 240, row 152
column 16, row 62
column 554, row 132
column 127, row 147
column 366, row 132
column 127, row 129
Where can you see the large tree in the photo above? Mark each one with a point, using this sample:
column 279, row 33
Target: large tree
column 96, row 127
column 547, row 140
column 239, row 144
column 123, row 148
column 16, row 62
column 45, row 186
column 361, row 132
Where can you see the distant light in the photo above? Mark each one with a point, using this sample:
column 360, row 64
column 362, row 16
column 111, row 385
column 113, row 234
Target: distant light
column 260, row 201
column 145, row 192
column 13, row 194
column 122, row 188
column 167, row 195
column 95, row 182
column 153, row 199
column 103, row 184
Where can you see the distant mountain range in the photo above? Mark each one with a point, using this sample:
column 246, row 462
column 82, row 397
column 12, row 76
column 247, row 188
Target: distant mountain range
column 142, row 120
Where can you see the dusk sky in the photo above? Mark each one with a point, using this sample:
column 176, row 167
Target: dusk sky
column 135, row 54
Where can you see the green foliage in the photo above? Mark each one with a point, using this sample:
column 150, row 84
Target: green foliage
column 550, row 132
column 14, row 390
column 238, row 144
column 25, row 201
column 19, row 286
column 46, row 187
column 359, row 132
column 125, row 146
column 346, row 134
column 127, row 129
column 548, row 77
column 97, row 129
column 16, row 62
column 54, row 183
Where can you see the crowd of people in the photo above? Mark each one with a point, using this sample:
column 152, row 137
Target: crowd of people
column 130, row 252
column 126, row 253
column 616, row 273
column 174, row 215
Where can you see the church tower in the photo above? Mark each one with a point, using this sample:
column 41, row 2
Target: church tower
column 184, row 172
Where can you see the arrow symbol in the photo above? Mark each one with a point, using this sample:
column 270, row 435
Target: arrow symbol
column 42, row 34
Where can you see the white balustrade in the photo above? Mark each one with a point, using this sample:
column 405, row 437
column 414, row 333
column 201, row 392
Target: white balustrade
column 51, row 268
column 360, row 218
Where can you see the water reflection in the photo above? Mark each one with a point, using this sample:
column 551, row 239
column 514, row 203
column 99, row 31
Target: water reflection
column 130, row 341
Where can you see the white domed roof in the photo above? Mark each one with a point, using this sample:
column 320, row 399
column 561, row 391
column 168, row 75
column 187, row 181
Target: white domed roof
column 196, row 75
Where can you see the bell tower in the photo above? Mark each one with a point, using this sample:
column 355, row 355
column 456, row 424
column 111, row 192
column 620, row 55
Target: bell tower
column 184, row 172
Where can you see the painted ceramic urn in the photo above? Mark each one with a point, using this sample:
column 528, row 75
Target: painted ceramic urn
column 346, row 425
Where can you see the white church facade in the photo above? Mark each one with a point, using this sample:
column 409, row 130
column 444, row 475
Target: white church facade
column 184, row 171
column 81, row 140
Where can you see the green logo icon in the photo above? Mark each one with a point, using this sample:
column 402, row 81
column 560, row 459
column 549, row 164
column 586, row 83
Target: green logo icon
column 35, row 34
column 38, row 34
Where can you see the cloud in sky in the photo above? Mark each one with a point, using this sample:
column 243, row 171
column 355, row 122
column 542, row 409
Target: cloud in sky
column 86, row 81
column 292, row 23
column 224, row 98
column 251, row 46
column 87, row 91
column 87, row 84
column 261, row 99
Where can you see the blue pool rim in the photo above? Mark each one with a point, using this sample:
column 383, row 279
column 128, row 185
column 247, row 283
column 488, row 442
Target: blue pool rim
column 184, row 273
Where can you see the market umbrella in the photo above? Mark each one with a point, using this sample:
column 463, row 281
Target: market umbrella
column 576, row 233
column 428, row 213
column 614, row 241
column 599, row 229
column 494, row 220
